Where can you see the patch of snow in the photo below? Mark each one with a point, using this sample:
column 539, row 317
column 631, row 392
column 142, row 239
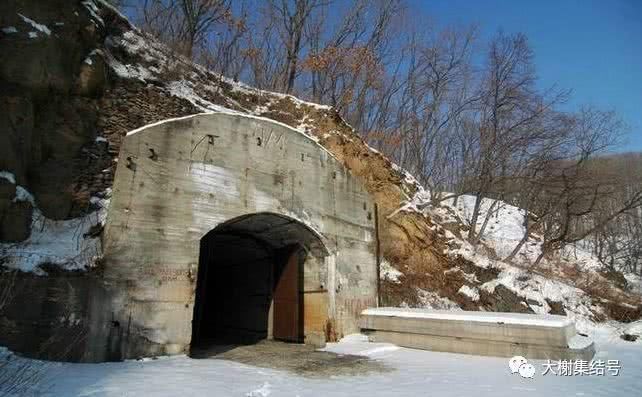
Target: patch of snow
column 23, row 194
column 471, row 278
column 472, row 254
column 183, row 89
column 530, row 286
column 544, row 320
column 472, row 293
column 40, row 27
column 377, row 350
column 64, row 243
column 408, row 177
column 9, row 176
column 579, row 342
column 389, row 272
column 93, row 10
column 417, row 203
column 135, row 72
column 101, row 139
column 634, row 328
column 244, row 88
column 263, row 391
column 33, row 35
column 432, row 300
column 9, row 30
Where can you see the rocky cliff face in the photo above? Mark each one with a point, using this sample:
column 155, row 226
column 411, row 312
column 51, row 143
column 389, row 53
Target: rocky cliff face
column 49, row 81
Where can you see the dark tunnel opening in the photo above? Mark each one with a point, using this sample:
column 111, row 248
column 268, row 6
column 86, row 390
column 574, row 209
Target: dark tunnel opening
column 250, row 282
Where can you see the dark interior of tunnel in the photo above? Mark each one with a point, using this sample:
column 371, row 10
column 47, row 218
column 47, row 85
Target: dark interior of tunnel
column 242, row 268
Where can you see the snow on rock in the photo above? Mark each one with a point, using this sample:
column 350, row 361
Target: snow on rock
column 39, row 27
column 432, row 300
column 408, row 177
column 389, row 272
column 94, row 11
column 9, row 30
column 67, row 243
column 417, row 203
column 23, row 194
column 9, row 176
column 88, row 60
column 468, row 252
column 471, row 278
column 470, row 292
column 184, row 89
column 633, row 331
column 130, row 71
column 540, row 290
column 158, row 60
column 244, row 88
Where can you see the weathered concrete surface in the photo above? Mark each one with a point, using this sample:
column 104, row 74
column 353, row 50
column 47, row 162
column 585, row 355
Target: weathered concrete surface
column 481, row 347
column 555, row 332
column 179, row 179
column 491, row 334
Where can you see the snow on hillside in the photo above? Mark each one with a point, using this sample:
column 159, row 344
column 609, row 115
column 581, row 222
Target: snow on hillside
column 506, row 228
column 153, row 62
column 541, row 287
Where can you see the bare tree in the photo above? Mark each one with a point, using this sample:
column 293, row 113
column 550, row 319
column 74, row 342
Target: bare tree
column 293, row 17
column 576, row 191
column 513, row 120
column 184, row 24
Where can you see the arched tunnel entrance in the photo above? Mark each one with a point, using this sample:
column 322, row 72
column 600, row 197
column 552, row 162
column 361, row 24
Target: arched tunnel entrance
column 250, row 281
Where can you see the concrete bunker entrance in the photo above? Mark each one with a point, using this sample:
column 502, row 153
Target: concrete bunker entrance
column 250, row 281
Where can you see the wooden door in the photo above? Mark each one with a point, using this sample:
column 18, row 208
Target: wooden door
column 287, row 302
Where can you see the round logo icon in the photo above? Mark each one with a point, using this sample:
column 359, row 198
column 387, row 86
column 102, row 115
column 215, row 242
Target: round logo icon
column 519, row 365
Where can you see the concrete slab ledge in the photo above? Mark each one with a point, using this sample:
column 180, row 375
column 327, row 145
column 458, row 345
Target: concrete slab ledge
column 480, row 333
column 481, row 347
column 540, row 320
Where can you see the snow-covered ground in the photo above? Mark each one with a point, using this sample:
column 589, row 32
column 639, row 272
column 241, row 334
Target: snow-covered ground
column 412, row 373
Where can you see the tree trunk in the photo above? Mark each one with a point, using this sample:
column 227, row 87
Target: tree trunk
column 475, row 216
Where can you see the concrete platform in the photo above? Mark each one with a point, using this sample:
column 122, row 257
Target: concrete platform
column 481, row 333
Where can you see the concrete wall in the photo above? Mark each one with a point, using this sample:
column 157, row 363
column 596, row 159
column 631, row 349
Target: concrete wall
column 179, row 179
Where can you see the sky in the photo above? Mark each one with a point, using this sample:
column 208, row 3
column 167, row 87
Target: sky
column 592, row 47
